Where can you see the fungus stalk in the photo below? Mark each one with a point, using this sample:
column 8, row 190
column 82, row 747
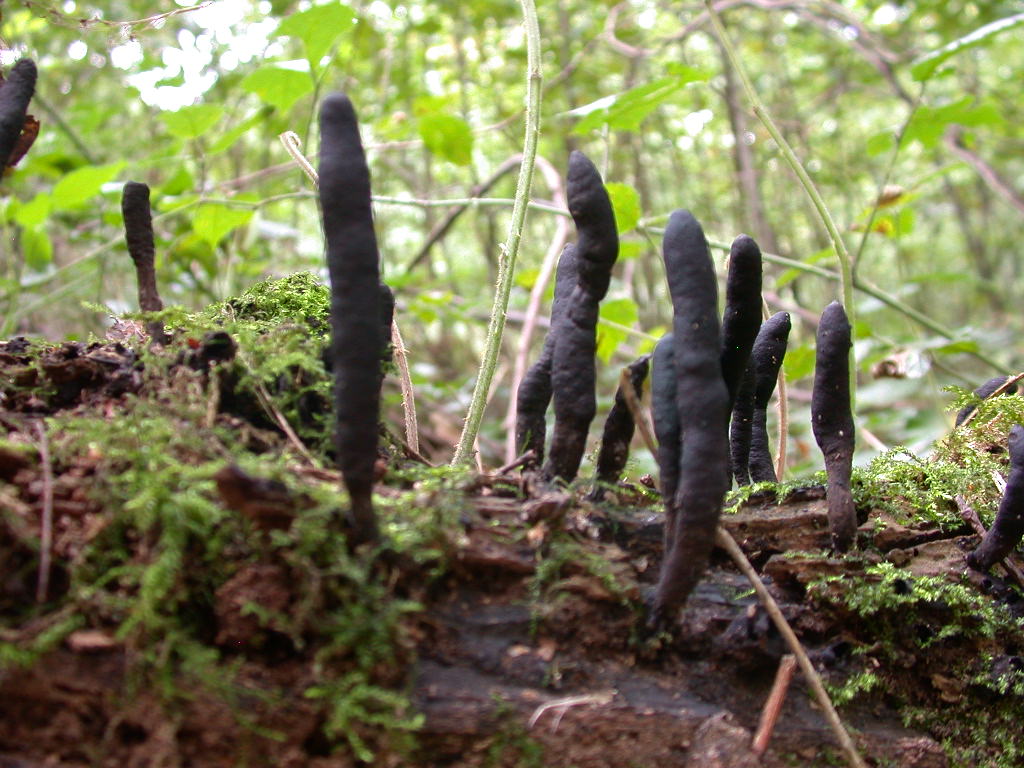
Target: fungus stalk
column 507, row 256
column 534, row 393
column 702, row 404
column 619, row 428
column 832, row 420
column 359, row 312
column 138, row 233
column 666, row 429
column 1008, row 527
column 766, row 361
column 573, row 372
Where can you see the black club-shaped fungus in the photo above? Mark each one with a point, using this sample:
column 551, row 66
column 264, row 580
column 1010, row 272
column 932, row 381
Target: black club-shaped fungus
column 357, row 315
column 1008, row 528
column 742, row 317
column 15, row 94
column 534, row 393
column 138, row 233
column 740, row 427
column 983, row 392
column 666, row 428
column 765, row 361
column 618, row 431
column 832, row 420
column 572, row 361
column 702, row 403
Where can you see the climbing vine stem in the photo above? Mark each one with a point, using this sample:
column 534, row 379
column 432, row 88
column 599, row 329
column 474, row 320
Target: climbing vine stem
column 507, row 256
column 845, row 267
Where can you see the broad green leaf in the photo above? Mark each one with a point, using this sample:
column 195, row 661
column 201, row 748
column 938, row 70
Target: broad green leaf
column 81, row 184
column 880, row 143
column 627, row 110
column 924, row 66
column 930, row 123
column 181, row 181
column 280, row 88
column 36, row 248
column 214, row 220
column 621, row 312
column 798, row 363
column 193, row 121
column 626, row 204
column 957, row 348
column 228, row 139
column 34, row 212
column 447, row 136
column 318, row 28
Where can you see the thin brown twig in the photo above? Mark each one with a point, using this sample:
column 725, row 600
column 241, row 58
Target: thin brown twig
column 954, row 141
column 725, row 540
column 517, row 462
column 46, row 525
column 639, row 417
column 782, row 442
column 773, row 706
column 412, row 431
column 970, row 516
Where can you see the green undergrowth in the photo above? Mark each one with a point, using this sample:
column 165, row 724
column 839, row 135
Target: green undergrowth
column 150, row 574
column 938, row 650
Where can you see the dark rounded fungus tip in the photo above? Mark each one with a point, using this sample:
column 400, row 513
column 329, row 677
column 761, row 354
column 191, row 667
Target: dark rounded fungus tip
column 742, row 318
column 15, row 94
column 984, row 392
column 357, row 315
column 702, row 403
column 832, row 420
column 573, row 372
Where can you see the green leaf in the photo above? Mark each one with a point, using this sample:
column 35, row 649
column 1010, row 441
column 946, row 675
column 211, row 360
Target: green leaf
column 214, row 221
column 798, row 363
column 930, row 123
column 193, row 121
column 318, row 28
column 626, row 204
column 280, row 88
column 880, row 143
column 36, row 248
column 627, row 110
column 447, row 136
column 925, row 66
column 34, row 212
column 81, row 184
column 630, row 249
column 620, row 311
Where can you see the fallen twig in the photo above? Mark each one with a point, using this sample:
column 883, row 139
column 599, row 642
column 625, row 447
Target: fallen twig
column 725, row 540
column 969, row 516
column 515, row 463
column 1012, row 380
column 639, row 417
column 46, row 526
column 773, row 706
column 562, row 706
column 412, row 431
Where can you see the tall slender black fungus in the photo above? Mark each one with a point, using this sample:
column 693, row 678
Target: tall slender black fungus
column 618, row 431
column 356, row 312
column 138, row 233
column 832, row 420
column 740, row 427
column 572, row 360
column 702, row 400
column 983, row 392
column 534, row 393
column 766, row 359
column 15, row 94
column 387, row 316
column 666, row 428
column 1008, row 528
column 742, row 317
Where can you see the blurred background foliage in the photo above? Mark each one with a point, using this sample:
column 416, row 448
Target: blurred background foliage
column 918, row 154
